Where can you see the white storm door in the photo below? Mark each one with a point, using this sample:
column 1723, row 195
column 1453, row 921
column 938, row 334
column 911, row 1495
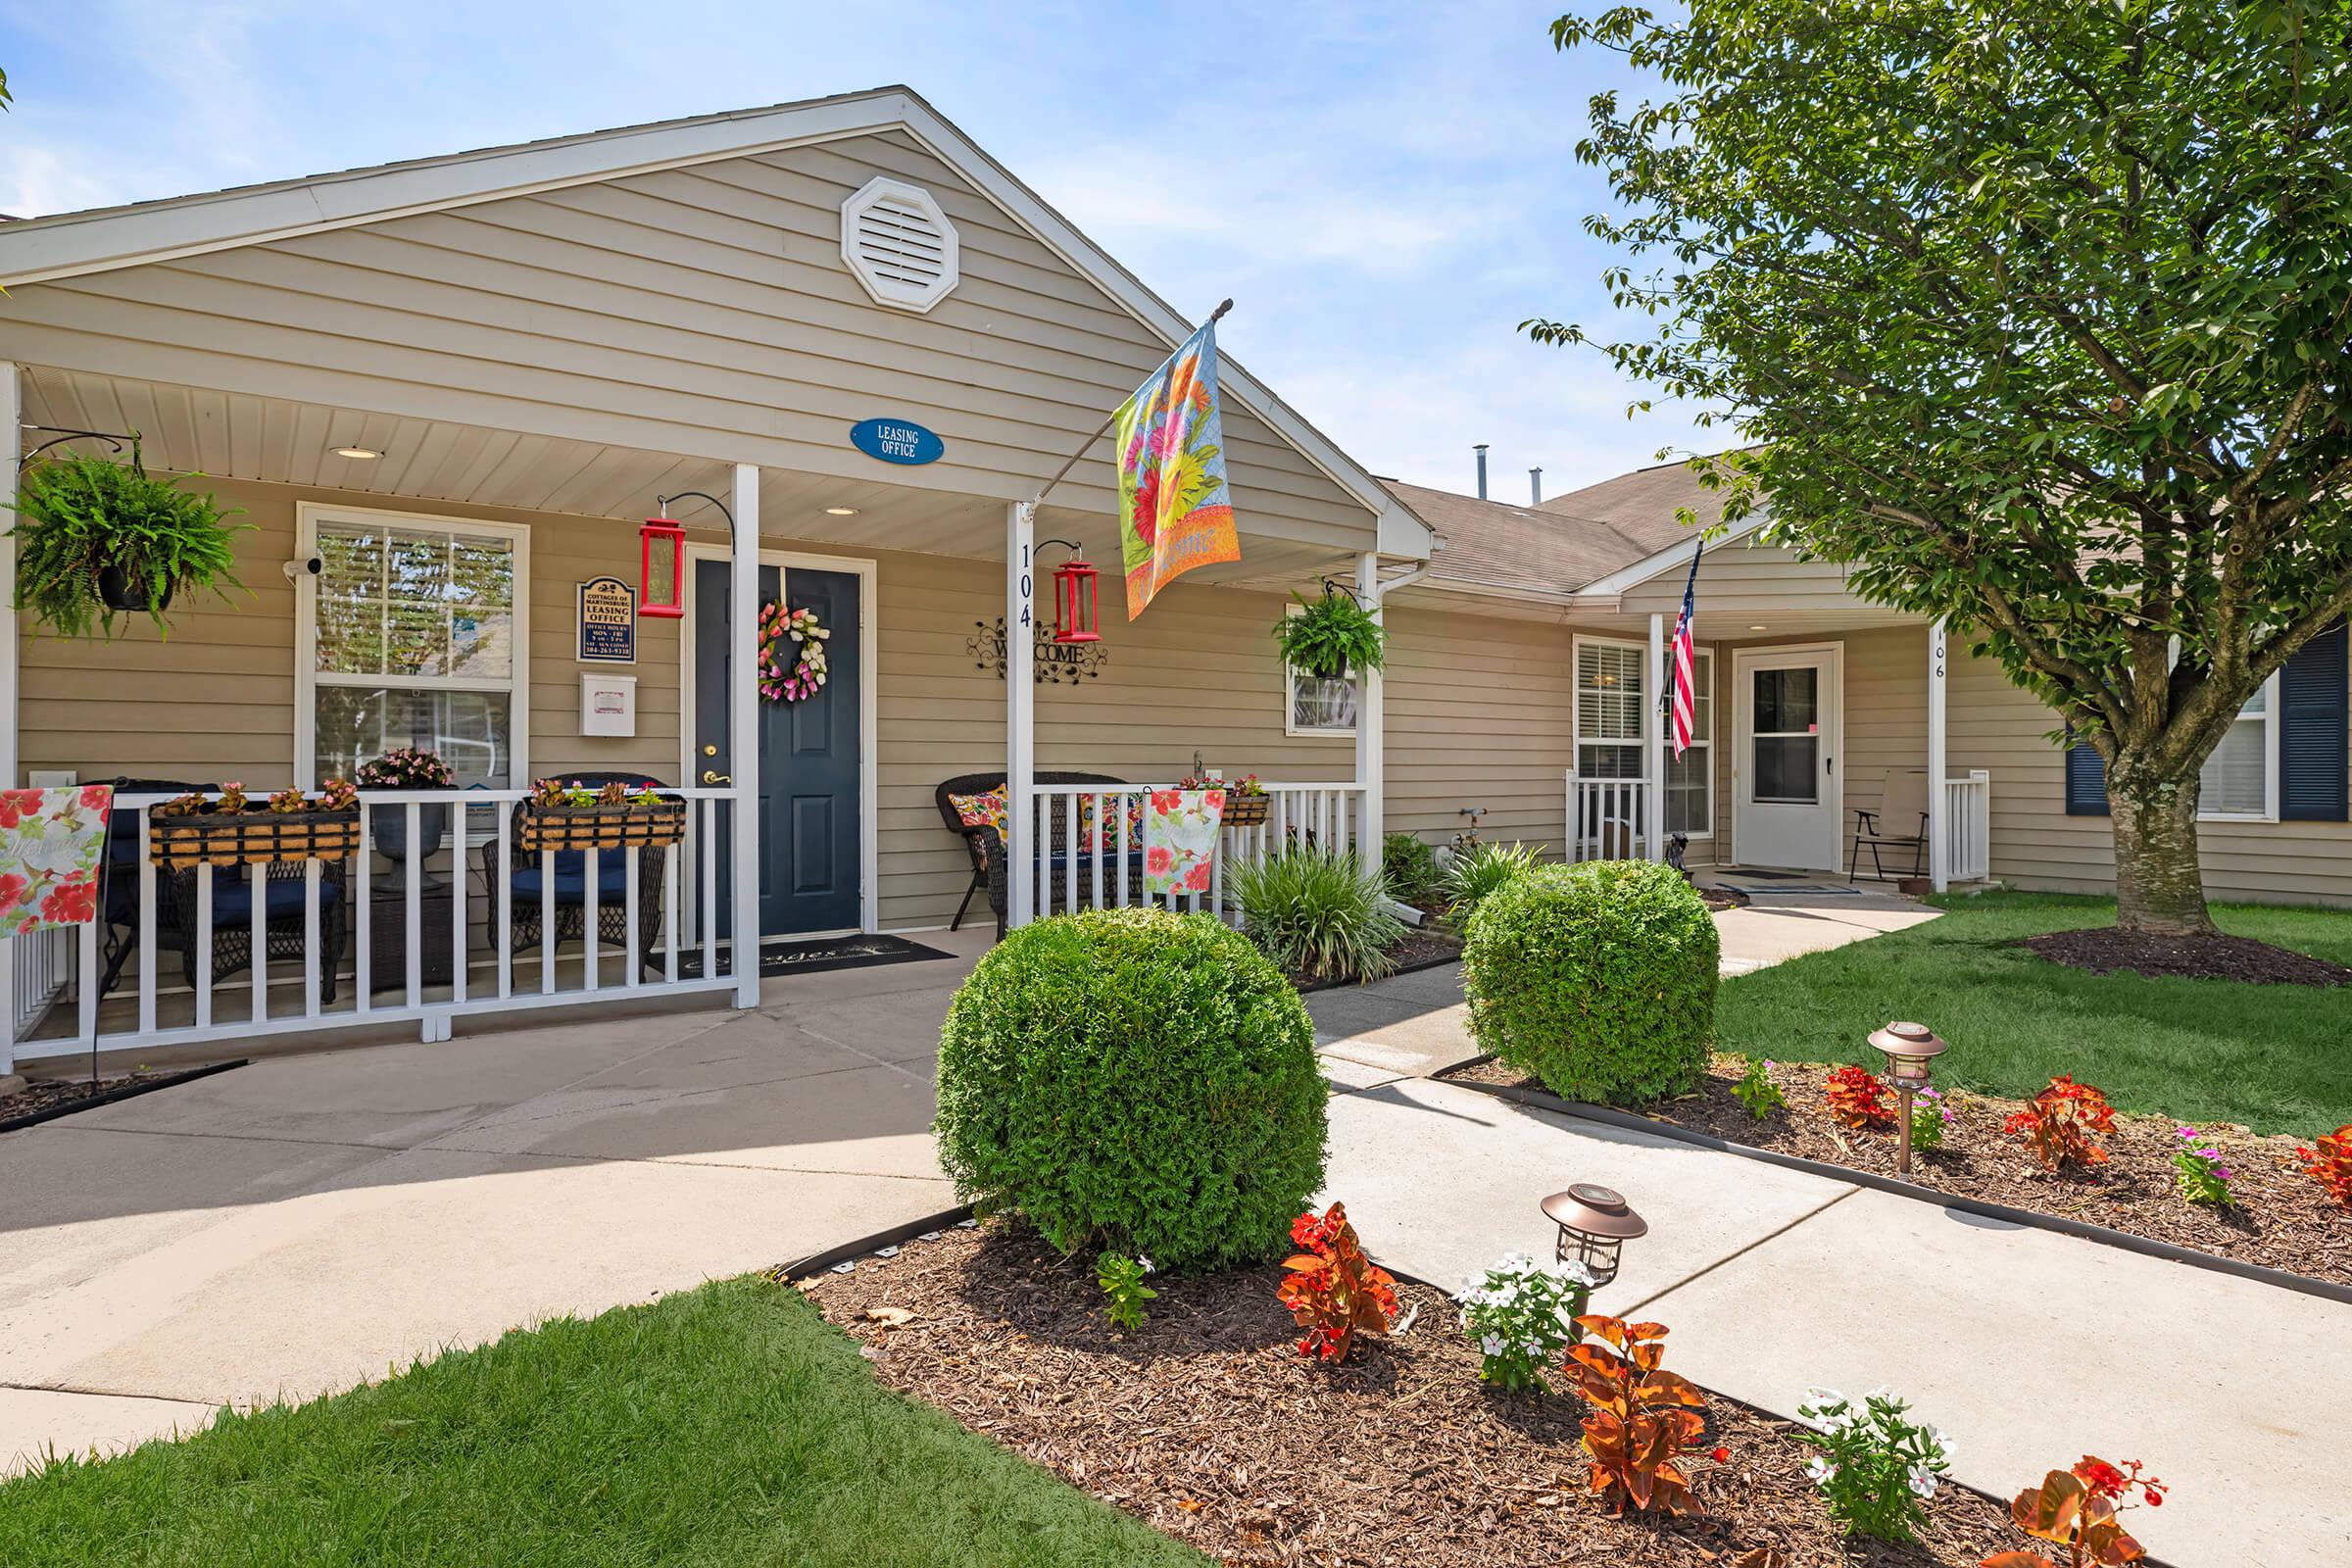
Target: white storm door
column 1786, row 792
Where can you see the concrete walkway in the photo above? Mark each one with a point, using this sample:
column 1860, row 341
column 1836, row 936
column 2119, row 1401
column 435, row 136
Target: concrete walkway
column 2031, row 1348
column 307, row 1222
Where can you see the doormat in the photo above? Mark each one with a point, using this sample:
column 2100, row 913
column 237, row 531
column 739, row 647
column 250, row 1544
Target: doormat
column 779, row 956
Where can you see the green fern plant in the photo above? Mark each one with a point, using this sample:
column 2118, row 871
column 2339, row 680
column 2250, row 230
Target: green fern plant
column 1329, row 635
column 79, row 516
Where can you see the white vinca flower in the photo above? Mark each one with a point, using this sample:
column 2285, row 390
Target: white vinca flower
column 1143, row 1263
column 1492, row 1345
column 1923, row 1481
column 1821, row 1470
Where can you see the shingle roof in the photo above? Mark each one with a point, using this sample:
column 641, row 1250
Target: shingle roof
column 1640, row 507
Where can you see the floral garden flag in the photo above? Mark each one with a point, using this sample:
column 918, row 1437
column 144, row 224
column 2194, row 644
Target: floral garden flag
column 1180, row 840
column 1175, row 513
column 51, row 844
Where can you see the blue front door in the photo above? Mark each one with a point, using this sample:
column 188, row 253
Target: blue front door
column 809, row 763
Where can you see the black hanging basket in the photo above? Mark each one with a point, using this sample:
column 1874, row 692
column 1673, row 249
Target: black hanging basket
column 118, row 589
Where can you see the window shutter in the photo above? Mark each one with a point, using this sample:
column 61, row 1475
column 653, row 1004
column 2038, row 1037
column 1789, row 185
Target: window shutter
column 2086, row 779
column 2315, row 701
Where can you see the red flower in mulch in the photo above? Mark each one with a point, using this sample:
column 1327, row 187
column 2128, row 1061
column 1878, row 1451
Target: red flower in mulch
column 1858, row 1098
column 2329, row 1164
column 2059, row 1121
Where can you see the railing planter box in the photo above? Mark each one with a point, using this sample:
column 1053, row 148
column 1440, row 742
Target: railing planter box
column 601, row 827
column 180, row 841
column 1245, row 810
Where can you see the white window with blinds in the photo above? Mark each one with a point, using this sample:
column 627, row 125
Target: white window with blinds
column 414, row 631
column 1609, row 693
column 2241, row 780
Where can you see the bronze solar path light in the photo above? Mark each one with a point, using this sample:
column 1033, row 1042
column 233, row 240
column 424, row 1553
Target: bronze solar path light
column 1596, row 1223
column 1911, row 1051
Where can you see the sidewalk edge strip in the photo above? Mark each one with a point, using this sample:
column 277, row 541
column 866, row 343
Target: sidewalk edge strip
column 2122, row 1240
column 866, row 1245
column 147, row 1086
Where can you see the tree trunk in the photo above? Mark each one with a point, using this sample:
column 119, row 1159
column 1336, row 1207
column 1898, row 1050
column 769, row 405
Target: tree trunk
column 2159, row 886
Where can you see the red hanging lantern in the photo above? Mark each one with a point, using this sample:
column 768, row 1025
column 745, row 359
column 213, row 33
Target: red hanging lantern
column 1074, row 618
column 660, row 574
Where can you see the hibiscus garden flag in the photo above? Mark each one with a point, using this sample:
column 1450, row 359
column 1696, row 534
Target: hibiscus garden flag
column 1180, row 840
column 1175, row 511
column 51, row 843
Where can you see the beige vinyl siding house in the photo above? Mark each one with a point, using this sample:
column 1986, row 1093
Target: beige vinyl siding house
column 536, row 343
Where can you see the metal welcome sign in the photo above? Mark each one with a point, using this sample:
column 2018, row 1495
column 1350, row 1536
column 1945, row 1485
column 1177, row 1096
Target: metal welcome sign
column 895, row 441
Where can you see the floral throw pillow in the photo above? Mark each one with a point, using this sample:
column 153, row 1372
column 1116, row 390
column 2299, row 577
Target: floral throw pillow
column 981, row 811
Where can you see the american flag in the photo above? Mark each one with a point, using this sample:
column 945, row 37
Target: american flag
column 1685, row 633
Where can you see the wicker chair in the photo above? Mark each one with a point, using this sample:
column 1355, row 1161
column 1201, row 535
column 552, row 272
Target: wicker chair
column 987, row 849
column 123, row 852
column 571, row 888
column 285, row 932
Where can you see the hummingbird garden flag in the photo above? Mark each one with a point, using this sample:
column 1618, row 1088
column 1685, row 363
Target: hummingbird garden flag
column 1175, row 511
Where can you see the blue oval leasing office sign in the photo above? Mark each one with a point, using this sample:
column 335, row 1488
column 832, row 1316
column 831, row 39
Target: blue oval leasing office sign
column 895, row 441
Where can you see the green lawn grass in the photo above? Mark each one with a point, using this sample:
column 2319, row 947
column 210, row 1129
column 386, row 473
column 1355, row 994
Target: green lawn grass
column 730, row 1425
column 2278, row 1058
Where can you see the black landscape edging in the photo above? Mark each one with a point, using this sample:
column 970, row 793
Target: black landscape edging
column 865, row 1245
column 1437, row 963
column 2035, row 1219
column 130, row 1090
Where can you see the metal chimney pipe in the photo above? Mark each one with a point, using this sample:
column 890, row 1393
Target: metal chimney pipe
column 1534, row 487
column 1481, row 450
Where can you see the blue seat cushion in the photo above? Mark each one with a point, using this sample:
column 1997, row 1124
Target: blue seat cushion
column 1060, row 859
column 572, row 880
column 232, row 899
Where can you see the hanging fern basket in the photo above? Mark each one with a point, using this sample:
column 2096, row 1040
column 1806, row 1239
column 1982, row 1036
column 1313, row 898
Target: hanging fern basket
column 125, row 594
column 98, row 540
column 1331, row 635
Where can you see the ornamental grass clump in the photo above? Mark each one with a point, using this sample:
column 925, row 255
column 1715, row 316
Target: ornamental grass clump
column 1136, row 1081
column 1521, row 1316
column 1476, row 874
column 1597, row 979
column 1318, row 914
column 1878, row 1468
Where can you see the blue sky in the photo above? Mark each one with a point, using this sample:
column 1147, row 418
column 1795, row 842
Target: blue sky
column 1386, row 191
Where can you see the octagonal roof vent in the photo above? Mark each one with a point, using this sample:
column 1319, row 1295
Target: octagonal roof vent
column 898, row 244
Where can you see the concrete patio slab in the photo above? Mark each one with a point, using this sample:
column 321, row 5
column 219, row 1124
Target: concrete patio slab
column 1767, row 933
column 1417, row 1044
column 90, row 1425
column 2032, row 1349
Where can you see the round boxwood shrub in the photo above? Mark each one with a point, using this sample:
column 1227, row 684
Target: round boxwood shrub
column 1137, row 1080
column 1597, row 979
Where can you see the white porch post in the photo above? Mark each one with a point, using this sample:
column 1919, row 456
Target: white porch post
column 743, row 726
column 11, row 443
column 1939, row 868
column 1653, row 746
column 1371, row 741
column 1020, row 712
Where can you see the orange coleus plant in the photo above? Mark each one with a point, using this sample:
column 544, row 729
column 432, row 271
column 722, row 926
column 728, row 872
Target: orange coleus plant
column 1859, row 1098
column 1643, row 1418
column 2059, row 1121
column 2331, row 1164
column 1333, row 1289
column 2077, row 1508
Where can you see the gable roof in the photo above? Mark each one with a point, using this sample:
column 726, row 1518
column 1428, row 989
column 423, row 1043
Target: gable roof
column 1494, row 545
column 1640, row 507
column 106, row 239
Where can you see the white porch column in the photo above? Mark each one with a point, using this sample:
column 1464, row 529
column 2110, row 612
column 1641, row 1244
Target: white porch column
column 1940, row 869
column 1653, row 744
column 1371, row 740
column 12, row 444
column 1020, row 711
column 743, row 726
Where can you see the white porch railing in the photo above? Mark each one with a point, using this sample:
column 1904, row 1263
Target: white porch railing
column 1967, row 826
column 1090, row 853
column 669, row 941
column 1607, row 819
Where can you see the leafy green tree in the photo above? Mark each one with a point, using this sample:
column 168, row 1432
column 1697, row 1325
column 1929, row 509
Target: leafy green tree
column 2036, row 314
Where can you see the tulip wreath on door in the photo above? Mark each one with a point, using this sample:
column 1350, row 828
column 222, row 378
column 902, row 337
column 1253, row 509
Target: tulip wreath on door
column 796, row 636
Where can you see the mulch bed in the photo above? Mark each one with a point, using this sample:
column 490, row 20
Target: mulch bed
column 48, row 1094
column 2278, row 1217
column 2103, row 949
column 1419, row 947
column 1209, row 1425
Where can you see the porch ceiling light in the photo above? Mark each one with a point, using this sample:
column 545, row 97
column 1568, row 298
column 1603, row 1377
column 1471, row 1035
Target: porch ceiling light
column 660, row 577
column 1760, row 628
column 1596, row 1222
column 841, row 511
column 359, row 454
